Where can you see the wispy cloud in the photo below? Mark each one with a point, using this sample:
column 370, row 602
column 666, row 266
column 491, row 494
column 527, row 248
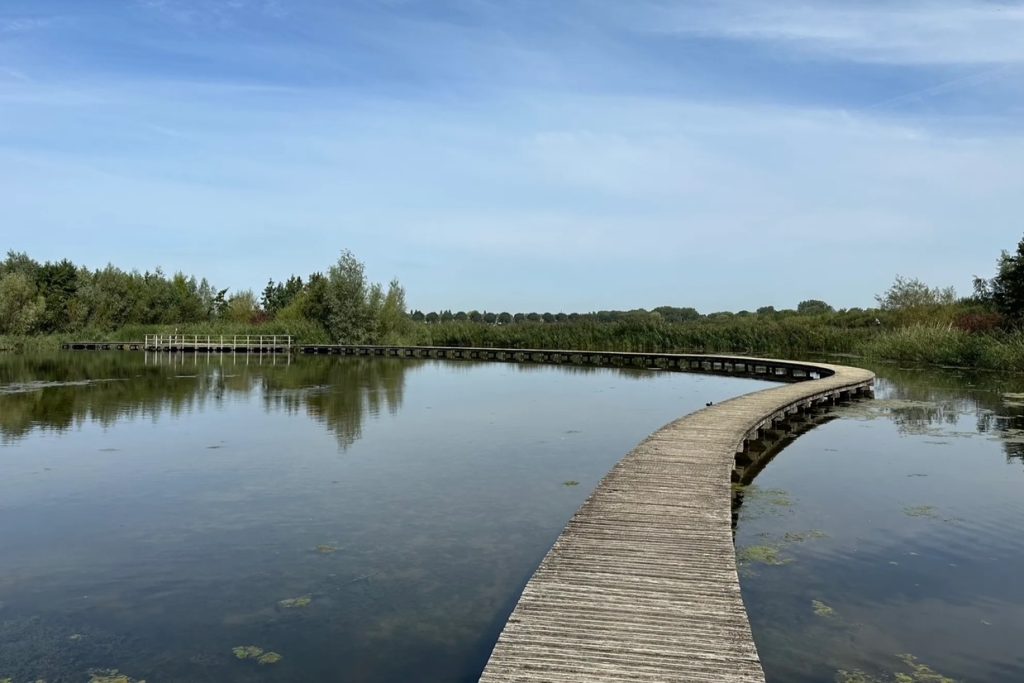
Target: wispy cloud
column 913, row 32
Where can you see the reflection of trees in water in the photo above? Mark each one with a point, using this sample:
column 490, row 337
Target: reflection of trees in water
column 60, row 392
column 340, row 393
column 938, row 398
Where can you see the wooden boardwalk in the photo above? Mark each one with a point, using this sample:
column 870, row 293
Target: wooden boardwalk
column 642, row 583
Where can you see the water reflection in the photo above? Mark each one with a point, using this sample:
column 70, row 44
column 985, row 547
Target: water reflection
column 39, row 393
column 153, row 517
column 885, row 532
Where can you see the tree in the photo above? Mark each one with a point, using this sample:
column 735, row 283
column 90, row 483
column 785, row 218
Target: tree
column 1007, row 287
column 242, row 307
column 21, row 306
column 349, row 317
column 393, row 318
column 907, row 293
column 813, row 307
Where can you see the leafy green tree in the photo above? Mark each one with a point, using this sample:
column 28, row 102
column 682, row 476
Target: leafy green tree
column 242, row 307
column 813, row 307
column 349, row 315
column 21, row 306
column 1007, row 287
column 909, row 293
column 393, row 319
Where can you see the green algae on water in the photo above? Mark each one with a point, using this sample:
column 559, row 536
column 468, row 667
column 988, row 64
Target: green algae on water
column 822, row 610
column 920, row 673
column 920, row 511
column 295, row 603
column 570, row 482
column 269, row 658
column 111, row 676
column 247, row 651
column 801, row 536
column 762, row 554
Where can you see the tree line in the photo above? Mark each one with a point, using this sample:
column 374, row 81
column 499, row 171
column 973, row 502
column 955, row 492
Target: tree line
column 62, row 298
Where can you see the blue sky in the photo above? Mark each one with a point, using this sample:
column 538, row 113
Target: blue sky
column 503, row 155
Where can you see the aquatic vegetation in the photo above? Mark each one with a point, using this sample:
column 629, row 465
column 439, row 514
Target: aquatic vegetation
column 801, row 536
column 821, row 609
column 295, row 603
column 247, row 651
column 570, row 482
column 326, row 549
column 111, row 676
column 856, row 676
column 256, row 653
column 761, row 554
column 919, row 673
column 920, row 511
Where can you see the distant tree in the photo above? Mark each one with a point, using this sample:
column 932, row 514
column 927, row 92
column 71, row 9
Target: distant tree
column 766, row 310
column 1006, row 289
column 461, row 315
column 393, row 318
column 908, row 293
column 432, row 317
column 242, row 307
column 490, row 318
column 21, row 305
column 504, row 318
column 813, row 307
column 349, row 314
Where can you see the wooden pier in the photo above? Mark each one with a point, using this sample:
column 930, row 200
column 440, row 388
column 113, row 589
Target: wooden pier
column 641, row 585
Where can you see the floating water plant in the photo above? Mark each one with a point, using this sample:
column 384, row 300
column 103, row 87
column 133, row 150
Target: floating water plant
column 326, row 549
column 821, row 609
column 269, row 658
column 111, row 676
column 295, row 603
column 247, row 651
column 570, row 482
column 256, row 653
column 801, row 536
column 762, row 554
column 856, row 676
column 920, row 511
column 920, row 673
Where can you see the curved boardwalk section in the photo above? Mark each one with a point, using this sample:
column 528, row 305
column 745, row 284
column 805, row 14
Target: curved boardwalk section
column 642, row 583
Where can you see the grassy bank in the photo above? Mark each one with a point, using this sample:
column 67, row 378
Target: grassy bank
column 927, row 344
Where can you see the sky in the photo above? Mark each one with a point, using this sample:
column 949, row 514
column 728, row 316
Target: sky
column 520, row 155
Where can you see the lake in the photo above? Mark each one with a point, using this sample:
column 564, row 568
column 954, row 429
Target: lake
column 185, row 518
column 366, row 519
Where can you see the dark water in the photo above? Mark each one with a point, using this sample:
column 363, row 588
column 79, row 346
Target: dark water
column 153, row 515
column 904, row 518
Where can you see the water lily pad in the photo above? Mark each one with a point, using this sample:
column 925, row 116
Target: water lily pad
column 269, row 658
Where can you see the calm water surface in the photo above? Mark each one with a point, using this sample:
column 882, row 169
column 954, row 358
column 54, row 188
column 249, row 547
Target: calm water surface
column 154, row 512
column 894, row 529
